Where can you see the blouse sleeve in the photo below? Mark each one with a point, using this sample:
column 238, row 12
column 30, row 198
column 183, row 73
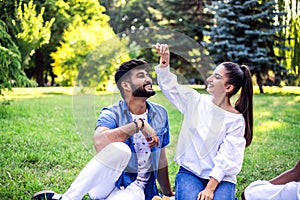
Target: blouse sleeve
column 179, row 95
column 229, row 158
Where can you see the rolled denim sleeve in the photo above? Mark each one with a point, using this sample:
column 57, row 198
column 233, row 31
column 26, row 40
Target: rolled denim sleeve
column 107, row 118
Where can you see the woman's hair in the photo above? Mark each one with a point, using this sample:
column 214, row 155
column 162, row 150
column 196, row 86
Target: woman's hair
column 240, row 78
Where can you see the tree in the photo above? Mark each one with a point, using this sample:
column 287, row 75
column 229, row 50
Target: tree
column 28, row 29
column 291, row 23
column 11, row 73
column 190, row 18
column 131, row 15
column 138, row 17
column 245, row 32
column 84, row 36
column 32, row 31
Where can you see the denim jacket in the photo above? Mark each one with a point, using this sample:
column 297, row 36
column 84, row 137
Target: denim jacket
column 118, row 115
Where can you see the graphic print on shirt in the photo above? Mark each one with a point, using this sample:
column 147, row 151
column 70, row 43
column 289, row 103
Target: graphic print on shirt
column 143, row 153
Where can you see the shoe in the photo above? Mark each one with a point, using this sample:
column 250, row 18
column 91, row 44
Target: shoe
column 46, row 195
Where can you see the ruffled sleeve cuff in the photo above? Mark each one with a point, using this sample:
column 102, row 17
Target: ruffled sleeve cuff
column 217, row 174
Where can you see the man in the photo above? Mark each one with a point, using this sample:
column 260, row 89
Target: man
column 129, row 138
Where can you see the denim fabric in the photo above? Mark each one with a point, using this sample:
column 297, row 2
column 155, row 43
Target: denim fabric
column 118, row 115
column 189, row 185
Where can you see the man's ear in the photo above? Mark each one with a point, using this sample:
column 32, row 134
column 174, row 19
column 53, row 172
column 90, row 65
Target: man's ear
column 125, row 85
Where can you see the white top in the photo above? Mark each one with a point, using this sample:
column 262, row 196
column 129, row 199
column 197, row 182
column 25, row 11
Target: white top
column 143, row 152
column 264, row 190
column 211, row 142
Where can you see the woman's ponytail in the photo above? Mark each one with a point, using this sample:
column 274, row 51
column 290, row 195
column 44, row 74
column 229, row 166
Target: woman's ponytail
column 240, row 78
column 244, row 104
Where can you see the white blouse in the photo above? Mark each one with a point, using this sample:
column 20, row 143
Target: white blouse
column 211, row 142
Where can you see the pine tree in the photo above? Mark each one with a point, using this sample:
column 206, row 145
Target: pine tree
column 245, row 33
column 11, row 73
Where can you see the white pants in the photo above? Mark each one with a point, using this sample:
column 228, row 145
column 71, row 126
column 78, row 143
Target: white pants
column 264, row 190
column 99, row 176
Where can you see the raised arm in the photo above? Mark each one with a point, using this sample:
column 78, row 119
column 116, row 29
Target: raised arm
column 164, row 53
column 181, row 96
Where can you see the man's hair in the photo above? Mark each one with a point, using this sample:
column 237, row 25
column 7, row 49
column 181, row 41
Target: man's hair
column 125, row 67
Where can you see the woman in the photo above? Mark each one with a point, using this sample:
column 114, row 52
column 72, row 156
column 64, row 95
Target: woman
column 214, row 133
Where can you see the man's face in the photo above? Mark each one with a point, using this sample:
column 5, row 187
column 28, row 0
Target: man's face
column 141, row 83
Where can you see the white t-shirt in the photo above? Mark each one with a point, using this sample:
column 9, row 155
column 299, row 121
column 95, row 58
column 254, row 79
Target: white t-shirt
column 143, row 152
column 264, row 190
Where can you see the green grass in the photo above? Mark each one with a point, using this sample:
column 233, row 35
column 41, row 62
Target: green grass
column 46, row 137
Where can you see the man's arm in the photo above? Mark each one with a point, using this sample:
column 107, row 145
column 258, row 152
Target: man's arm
column 163, row 175
column 104, row 136
column 288, row 176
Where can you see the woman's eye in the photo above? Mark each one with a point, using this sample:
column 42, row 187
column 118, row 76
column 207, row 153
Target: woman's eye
column 217, row 76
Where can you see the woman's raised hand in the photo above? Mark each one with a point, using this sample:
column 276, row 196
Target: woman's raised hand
column 163, row 51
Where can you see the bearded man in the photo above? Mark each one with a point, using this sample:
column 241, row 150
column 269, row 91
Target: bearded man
column 130, row 139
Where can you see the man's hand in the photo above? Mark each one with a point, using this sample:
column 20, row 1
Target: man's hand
column 150, row 135
column 163, row 51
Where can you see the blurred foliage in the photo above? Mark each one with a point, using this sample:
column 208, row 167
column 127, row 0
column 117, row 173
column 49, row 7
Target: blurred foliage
column 31, row 30
column 56, row 37
column 290, row 56
column 11, row 73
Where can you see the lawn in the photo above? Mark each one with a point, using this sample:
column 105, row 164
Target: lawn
column 46, row 137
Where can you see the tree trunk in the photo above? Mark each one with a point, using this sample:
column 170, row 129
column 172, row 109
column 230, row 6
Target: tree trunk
column 39, row 68
column 259, row 82
column 52, row 78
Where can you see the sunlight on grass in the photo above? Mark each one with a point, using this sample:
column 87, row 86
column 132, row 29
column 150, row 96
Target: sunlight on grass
column 264, row 114
column 293, row 101
column 268, row 125
column 263, row 128
column 22, row 93
column 282, row 90
column 25, row 93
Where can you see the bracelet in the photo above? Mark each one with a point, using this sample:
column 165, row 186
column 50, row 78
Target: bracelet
column 143, row 124
column 136, row 126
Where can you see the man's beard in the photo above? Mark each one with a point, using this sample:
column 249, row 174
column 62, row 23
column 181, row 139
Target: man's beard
column 141, row 91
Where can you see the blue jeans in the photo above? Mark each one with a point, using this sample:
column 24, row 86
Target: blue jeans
column 188, row 186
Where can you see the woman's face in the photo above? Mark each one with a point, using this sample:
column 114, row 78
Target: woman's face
column 216, row 83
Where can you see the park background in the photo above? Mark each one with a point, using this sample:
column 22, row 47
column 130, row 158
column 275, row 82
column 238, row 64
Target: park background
column 50, row 48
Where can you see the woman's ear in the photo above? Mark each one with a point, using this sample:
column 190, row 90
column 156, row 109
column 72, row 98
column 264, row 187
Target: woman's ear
column 229, row 88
